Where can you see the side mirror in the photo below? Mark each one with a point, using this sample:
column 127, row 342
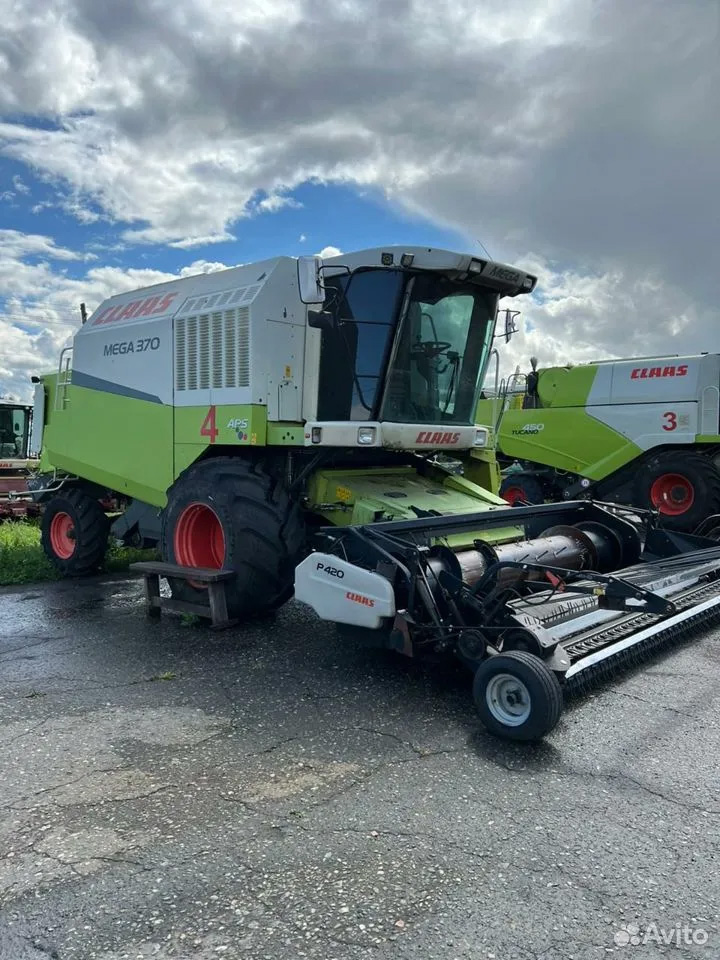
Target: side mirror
column 510, row 325
column 309, row 285
column 321, row 319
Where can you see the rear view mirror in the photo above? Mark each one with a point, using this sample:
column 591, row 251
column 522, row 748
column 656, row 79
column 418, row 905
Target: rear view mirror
column 309, row 285
column 510, row 325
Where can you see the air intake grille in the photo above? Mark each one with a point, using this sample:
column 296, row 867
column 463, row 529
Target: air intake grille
column 212, row 350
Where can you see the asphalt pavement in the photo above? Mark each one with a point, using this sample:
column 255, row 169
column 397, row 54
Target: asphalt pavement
column 274, row 792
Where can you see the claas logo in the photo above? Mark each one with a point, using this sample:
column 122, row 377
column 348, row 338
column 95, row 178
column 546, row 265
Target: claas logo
column 145, row 307
column 648, row 373
column 359, row 598
column 436, row 437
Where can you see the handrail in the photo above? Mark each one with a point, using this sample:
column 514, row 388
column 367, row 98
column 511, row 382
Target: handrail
column 64, row 378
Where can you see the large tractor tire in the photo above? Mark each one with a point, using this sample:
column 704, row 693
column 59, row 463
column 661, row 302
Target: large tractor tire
column 74, row 533
column 521, row 488
column 229, row 513
column 683, row 486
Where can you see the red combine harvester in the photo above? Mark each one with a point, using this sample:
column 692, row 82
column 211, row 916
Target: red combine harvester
column 15, row 420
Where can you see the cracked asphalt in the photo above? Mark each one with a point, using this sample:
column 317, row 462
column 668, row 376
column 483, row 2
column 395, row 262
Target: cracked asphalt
column 272, row 792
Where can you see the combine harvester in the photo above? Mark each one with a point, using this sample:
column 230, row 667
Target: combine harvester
column 644, row 432
column 282, row 421
column 15, row 423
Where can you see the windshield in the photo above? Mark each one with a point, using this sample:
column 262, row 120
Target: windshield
column 440, row 353
column 13, row 431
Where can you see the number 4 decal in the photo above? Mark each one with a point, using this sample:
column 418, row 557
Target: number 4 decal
column 670, row 419
column 208, row 428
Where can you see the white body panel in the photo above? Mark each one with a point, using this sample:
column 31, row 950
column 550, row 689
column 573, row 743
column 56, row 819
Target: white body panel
column 395, row 436
column 231, row 337
column 658, row 400
column 341, row 592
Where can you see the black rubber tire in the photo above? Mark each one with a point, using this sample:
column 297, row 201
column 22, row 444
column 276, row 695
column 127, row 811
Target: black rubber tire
column 90, row 530
column 698, row 470
column 543, row 686
column 263, row 528
column 530, row 485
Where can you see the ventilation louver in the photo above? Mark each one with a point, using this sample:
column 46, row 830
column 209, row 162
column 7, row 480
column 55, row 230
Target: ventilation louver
column 212, row 350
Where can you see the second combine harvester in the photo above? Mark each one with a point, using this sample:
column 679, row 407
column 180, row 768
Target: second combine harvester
column 281, row 420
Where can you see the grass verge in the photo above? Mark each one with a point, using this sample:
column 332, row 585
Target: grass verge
column 22, row 559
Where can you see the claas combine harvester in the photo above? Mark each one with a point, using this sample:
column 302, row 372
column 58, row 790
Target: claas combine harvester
column 643, row 431
column 283, row 420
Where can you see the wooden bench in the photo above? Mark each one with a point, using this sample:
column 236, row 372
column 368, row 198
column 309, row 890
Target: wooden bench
column 214, row 610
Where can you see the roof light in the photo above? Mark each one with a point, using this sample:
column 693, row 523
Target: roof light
column 387, row 259
column 481, row 438
column 406, row 260
column 477, row 266
column 316, row 436
column 366, row 436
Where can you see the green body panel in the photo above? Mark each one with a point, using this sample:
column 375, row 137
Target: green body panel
column 132, row 439
column 570, row 440
column 559, row 433
column 346, row 497
column 285, row 435
column 481, row 467
column 566, row 386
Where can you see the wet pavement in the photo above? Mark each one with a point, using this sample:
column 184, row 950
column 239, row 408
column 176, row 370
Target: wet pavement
column 271, row 792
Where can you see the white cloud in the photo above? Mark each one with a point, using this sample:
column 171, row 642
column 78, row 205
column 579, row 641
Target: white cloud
column 189, row 242
column 328, row 252
column 302, row 238
column 19, row 186
column 15, row 245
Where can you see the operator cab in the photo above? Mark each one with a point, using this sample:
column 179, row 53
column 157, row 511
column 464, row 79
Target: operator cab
column 406, row 344
column 14, row 427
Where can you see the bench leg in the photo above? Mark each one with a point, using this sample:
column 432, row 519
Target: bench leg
column 218, row 605
column 152, row 595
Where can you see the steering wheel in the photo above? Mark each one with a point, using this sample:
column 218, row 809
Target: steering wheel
column 430, row 348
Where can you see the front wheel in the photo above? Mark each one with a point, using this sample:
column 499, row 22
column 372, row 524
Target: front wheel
column 74, row 533
column 230, row 513
column 517, row 696
column 683, row 486
column 519, row 488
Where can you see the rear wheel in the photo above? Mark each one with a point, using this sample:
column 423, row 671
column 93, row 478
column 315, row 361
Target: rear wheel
column 74, row 533
column 683, row 486
column 521, row 488
column 517, row 696
column 230, row 513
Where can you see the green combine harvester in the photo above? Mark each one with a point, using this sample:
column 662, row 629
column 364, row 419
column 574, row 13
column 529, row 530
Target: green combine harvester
column 643, row 431
column 284, row 421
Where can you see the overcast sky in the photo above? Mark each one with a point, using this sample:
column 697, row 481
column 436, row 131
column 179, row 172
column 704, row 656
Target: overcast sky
column 578, row 138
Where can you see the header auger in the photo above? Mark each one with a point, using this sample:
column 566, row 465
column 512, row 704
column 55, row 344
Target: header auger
column 245, row 418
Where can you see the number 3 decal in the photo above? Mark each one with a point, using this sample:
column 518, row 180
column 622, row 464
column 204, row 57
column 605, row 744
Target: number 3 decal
column 208, row 428
column 670, row 421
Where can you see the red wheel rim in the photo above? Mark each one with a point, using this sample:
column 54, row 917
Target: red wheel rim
column 199, row 540
column 672, row 494
column 514, row 495
column 62, row 535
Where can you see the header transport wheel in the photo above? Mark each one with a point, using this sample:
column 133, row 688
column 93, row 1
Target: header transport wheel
column 683, row 486
column 229, row 513
column 517, row 696
column 74, row 533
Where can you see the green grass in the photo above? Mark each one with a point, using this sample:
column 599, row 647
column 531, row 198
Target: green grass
column 23, row 561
